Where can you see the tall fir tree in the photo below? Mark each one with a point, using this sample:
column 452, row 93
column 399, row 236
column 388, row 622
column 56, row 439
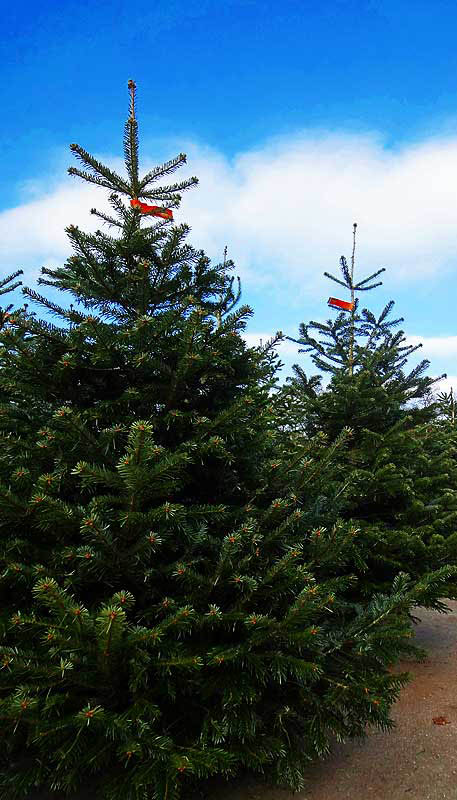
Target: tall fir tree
column 170, row 609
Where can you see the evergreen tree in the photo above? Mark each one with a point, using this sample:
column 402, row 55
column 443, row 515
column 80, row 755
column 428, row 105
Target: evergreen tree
column 365, row 358
column 446, row 405
column 439, row 526
column 399, row 465
column 170, row 611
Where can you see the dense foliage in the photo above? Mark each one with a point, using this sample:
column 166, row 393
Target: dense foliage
column 400, row 462
column 177, row 579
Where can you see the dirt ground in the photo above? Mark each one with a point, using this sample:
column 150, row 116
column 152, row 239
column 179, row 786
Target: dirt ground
column 416, row 761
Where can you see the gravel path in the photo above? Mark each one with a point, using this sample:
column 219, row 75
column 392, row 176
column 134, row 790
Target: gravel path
column 417, row 761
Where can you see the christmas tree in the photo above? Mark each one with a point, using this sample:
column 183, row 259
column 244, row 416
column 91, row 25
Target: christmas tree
column 398, row 464
column 171, row 609
column 434, row 513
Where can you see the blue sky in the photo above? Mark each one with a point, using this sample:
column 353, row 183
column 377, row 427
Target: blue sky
column 299, row 118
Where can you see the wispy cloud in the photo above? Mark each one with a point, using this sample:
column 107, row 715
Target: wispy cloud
column 435, row 346
column 286, row 209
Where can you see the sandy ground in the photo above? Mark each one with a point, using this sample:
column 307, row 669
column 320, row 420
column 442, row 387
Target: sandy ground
column 416, row 761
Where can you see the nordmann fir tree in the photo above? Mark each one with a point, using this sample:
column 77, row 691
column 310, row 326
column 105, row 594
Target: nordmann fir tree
column 167, row 614
column 397, row 462
column 439, row 522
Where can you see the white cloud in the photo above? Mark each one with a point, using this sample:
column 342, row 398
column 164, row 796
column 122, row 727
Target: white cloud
column 285, row 210
column 434, row 346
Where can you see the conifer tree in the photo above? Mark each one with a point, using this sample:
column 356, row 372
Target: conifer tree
column 446, row 405
column 171, row 610
column 399, row 465
column 367, row 349
column 440, row 525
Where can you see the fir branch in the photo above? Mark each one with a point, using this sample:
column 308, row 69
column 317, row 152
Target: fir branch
column 167, row 169
column 4, row 281
column 327, row 275
column 105, row 218
column 375, row 274
column 345, row 271
column 53, row 307
column 367, row 288
column 102, row 176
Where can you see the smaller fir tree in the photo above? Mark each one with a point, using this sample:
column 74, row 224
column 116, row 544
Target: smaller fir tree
column 399, row 466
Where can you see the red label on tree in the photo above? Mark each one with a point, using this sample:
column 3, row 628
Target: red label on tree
column 333, row 301
column 155, row 211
